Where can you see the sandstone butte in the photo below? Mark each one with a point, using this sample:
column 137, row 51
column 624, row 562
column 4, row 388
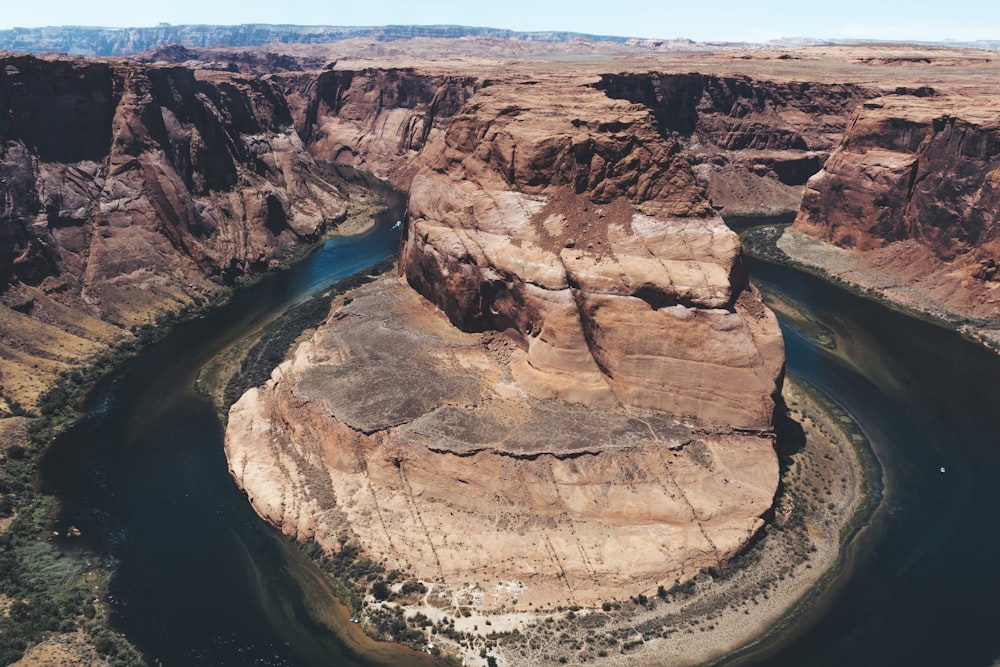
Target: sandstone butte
column 572, row 398
column 567, row 396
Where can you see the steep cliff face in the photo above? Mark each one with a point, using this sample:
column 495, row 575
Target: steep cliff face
column 374, row 119
column 127, row 190
column 911, row 168
column 912, row 190
column 567, row 220
column 753, row 143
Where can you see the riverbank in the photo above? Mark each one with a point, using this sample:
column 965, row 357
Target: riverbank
column 255, row 355
column 54, row 592
column 692, row 621
column 781, row 244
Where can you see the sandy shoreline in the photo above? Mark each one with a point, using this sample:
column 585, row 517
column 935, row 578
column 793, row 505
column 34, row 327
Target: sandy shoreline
column 825, row 488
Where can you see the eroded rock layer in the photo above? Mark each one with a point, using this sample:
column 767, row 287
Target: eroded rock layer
column 128, row 190
column 395, row 429
column 375, row 119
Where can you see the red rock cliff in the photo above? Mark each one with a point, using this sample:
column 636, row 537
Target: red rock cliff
column 126, row 190
column 912, row 192
column 911, row 168
column 615, row 435
column 374, row 119
column 567, row 219
column 753, row 143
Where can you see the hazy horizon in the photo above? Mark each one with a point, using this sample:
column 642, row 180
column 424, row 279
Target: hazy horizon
column 726, row 20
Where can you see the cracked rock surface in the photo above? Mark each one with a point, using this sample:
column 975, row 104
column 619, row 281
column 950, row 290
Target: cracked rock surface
column 439, row 463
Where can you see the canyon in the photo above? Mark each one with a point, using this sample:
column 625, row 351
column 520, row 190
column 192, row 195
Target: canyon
column 567, row 395
column 129, row 192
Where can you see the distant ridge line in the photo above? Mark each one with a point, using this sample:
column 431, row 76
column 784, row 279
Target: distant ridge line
column 107, row 41
column 111, row 41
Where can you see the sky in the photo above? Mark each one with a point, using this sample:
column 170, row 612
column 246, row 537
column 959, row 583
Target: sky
column 701, row 20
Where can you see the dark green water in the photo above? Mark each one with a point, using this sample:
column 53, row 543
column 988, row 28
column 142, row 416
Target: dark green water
column 200, row 580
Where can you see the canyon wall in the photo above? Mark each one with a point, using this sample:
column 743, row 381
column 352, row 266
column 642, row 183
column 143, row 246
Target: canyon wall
column 129, row 190
column 753, row 142
column 910, row 195
column 376, row 119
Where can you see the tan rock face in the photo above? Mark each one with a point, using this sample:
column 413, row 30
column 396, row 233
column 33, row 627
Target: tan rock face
column 910, row 167
column 567, row 220
column 415, row 439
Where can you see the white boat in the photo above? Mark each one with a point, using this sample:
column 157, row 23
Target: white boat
column 399, row 223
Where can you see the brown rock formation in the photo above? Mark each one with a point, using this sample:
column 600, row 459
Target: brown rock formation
column 912, row 189
column 391, row 428
column 568, row 221
column 911, row 168
column 753, row 142
column 608, row 431
column 128, row 190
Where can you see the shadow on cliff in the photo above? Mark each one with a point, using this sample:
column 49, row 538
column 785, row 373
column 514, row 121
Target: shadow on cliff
column 791, row 438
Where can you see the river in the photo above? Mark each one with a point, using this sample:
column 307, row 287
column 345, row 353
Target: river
column 199, row 579
column 919, row 585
